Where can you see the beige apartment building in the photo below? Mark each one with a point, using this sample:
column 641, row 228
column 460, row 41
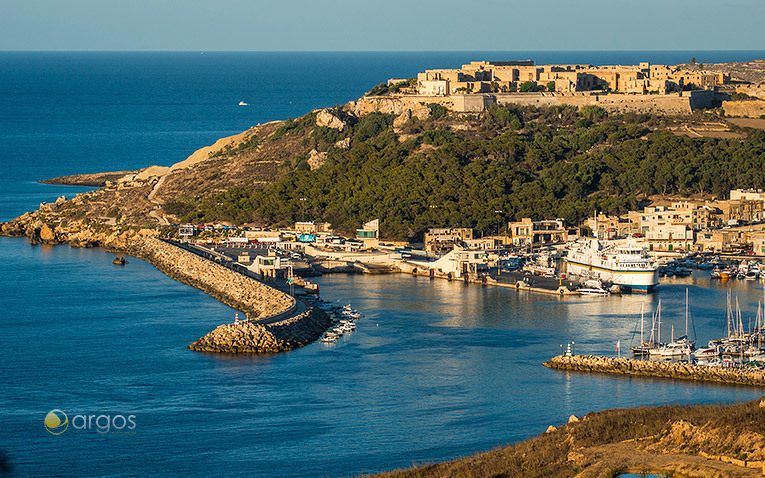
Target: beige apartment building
column 313, row 228
column 610, row 227
column 551, row 231
column 444, row 239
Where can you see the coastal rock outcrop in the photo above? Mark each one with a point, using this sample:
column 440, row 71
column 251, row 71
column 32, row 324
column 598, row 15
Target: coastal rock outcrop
column 330, row 120
column 316, row 159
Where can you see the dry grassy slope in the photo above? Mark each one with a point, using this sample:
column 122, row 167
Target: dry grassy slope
column 253, row 167
column 700, row 441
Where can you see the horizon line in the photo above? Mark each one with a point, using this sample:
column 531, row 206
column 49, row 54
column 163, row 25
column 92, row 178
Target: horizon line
column 375, row 51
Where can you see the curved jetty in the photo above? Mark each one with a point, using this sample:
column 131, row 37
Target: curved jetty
column 275, row 322
column 648, row 368
column 253, row 337
column 255, row 299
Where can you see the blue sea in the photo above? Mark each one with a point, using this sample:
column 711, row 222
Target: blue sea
column 435, row 370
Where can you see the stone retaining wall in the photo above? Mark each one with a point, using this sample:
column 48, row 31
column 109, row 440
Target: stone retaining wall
column 649, row 368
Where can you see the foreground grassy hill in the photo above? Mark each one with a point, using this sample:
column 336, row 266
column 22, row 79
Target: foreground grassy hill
column 680, row 441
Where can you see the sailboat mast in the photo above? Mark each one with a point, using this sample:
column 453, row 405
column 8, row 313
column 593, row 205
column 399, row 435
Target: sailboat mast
column 686, row 312
column 658, row 315
column 740, row 322
column 730, row 312
column 641, row 324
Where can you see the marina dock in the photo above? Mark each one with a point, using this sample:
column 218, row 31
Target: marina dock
column 650, row 368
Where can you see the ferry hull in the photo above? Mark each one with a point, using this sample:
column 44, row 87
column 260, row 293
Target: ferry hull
column 628, row 279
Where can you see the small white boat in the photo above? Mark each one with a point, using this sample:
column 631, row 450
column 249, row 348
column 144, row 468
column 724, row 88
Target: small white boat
column 593, row 287
column 242, row 103
column 707, row 353
column 672, row 349
column 328, row 339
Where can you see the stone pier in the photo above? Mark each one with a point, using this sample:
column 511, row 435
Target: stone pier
column 650, row 368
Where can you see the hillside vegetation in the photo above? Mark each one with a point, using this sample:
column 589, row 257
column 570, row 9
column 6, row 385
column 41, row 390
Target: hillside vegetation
column 446, row 170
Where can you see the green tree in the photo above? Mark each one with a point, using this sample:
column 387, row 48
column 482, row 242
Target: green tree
column 550, row 86
column 528, row 86
column 437, row 111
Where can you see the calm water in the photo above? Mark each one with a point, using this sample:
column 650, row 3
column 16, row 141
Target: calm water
column 436, row 370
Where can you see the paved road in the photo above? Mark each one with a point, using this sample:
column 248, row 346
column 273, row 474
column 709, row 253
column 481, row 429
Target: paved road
column 225, row 261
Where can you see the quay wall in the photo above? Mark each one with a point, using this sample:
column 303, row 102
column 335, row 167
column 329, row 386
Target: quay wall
column 649, row 368
column 519, row 285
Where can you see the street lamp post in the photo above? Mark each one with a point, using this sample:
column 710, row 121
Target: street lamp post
column 302, row 206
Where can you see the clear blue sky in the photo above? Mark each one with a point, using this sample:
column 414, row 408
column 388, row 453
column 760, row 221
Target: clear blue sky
column 504, row 25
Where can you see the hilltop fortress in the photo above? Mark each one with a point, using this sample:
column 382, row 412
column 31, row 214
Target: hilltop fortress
column 617, row 88
column 524, row 76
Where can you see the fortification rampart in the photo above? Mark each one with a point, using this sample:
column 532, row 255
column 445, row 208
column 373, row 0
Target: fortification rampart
column 675, row 103
column 396, row 104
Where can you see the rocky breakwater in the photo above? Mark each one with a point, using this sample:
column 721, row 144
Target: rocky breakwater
column 287, row 327
column 274, row 322
column 649, row 368
column 250, row 337
column 255, row 299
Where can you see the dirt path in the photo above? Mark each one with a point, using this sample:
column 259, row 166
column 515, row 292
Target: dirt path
column 161, row 219
column 630, row 457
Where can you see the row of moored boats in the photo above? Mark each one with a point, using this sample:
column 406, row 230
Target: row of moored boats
column 746, row 270
column 343, row 321
column 740, row 347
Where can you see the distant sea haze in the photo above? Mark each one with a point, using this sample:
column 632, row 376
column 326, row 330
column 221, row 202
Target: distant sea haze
column 436, row 370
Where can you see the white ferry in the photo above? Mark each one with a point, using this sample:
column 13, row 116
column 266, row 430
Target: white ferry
column 627, row 266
